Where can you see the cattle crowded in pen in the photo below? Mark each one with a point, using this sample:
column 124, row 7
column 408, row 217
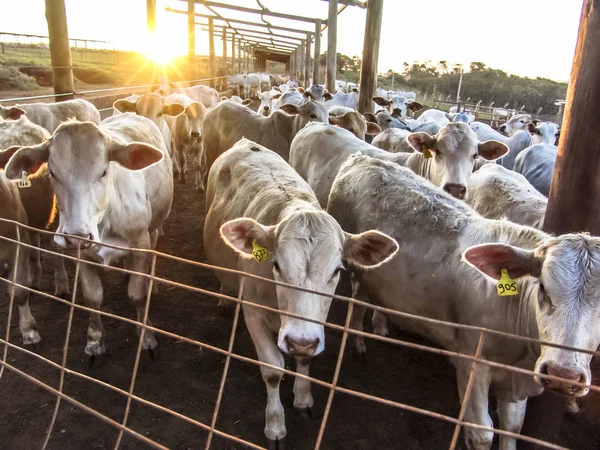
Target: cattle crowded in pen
column 425, row 209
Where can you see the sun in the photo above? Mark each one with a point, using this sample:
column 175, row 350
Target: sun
column 159, row 50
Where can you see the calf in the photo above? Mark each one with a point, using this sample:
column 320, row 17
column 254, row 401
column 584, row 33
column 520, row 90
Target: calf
column 446, row 159
column 447, row 268
column 228, row 122
column 51, row 115
column 349, row 100
column 355, row 123
column 516, row 123
column 254, row 198
column 104, row 196
column 398, row 104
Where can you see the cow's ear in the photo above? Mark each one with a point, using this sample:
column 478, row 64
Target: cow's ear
column 381, row 101
column 491, row 259
column 421, row 141
column 373, row 128
column 415, row 106
column 369, row 249
column 276, row 96
column 492, row 150
column 370, row 117
column 28, row 159
column 247, row 102
column 174, row 109
column 135, row 155
column 12, row 112
column 6, row 154
column 300, row 89
column 125, row 106
column 240, row 234
column 335, row 120
column 290, row 109
column 327, row 96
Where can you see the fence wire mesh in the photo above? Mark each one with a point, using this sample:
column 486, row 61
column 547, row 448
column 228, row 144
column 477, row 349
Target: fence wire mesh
column 21, row 244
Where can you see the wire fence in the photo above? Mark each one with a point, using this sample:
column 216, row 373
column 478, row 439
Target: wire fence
column 20, row 244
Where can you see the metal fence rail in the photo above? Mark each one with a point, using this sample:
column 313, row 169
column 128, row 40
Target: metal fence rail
column 228, row 352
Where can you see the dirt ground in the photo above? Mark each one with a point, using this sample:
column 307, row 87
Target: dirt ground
column 186, row 379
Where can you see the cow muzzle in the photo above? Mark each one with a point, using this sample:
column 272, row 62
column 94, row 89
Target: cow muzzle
column 502, row 129
column 568, row 375
column 266, row 110
column 195, row 134
column 458, row 191
column 302, row 347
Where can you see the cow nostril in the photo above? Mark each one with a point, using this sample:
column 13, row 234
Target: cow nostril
column 456, row 190
column 195, row 134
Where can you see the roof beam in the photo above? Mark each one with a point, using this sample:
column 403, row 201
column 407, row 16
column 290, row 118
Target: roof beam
column 358, row 3
column 259, row 41
column 243, row 22
column 261, row 12
column 245, row 30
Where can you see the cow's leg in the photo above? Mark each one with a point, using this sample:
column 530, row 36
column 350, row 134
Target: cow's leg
column 91, row 287
column 138, row 287
column 175, row 156
column 358, row 318
column 477, row 408
column 511, row 416
column 198, row 168
column 379, row 322
column 36, row 262
column 269, row 353
column 303, row 399
column 184, row 164
column 61, row 278
column 27, row 324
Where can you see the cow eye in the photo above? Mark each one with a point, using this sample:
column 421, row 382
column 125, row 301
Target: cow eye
column 544, row 298
column 475, row 156
column 276, row 267
column 104, row 173
column 312, row 116
column 389, row 120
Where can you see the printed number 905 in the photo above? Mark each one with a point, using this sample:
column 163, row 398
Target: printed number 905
column 512, row 287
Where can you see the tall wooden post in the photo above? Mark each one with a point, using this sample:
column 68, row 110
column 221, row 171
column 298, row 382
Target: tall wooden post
column 574, row 202
column 191, row 40
column 301, row 63
column 232, row 53
column 368, row 68
column 224, row 57
column 307, row 65
column 239, row 55
column 293, row 65
column 151, row 16
column 60, row 50
column 212, row 62
column 332, row 45
column 317, row 57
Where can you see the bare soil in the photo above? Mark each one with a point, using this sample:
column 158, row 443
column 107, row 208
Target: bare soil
column 186, row 379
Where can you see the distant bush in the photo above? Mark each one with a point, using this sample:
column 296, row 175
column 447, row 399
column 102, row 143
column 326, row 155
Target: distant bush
column 12, row 79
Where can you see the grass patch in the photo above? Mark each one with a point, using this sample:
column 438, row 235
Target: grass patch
column 12, row 79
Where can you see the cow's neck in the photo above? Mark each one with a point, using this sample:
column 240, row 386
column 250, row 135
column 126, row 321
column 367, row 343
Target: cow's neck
column 286, row 125
column 419, row 164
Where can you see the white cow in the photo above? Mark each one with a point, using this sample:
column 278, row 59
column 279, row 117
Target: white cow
column 447, row 268
column 499, row 193
column 268, row 102
column 200, row 93
column 393, row 140
column 536, row 164
column 318, row 151
column 516, row 123
column 349, row 100
column 51, row 115
column 155, row 108
column 398, row 105
column 186, row 136
column 436, row 116
column 228, row 122
column 254, row 198
column 104, row 195
column 355, row 123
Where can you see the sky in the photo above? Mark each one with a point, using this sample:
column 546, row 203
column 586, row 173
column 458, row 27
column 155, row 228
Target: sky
column 524, row 37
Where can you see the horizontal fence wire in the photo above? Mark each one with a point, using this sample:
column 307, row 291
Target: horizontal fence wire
column 143, row 327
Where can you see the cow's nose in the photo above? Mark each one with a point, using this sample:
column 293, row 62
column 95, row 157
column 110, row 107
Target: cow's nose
column 266, row 110
column 195, row 134
column 502, row 128
column 396, row 113
column 73, row 241
column 302, row 347
column 567, row 373
column 456, row 190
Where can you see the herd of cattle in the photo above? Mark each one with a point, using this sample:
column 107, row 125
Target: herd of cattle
column 424, row 219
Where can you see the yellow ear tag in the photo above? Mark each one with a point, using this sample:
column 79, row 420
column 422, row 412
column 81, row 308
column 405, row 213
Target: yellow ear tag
column 427, row 153
column 260, row 254
column 24, row 181
column 506, row 285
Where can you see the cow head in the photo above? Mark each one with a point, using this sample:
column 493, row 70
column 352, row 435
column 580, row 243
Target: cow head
column 566, row 301
column 453, row 152
column 385, row 120
column 307, row 249
column 267, row 100
column 81, row 160
column 356, row 123
column 317, row 93
column 516, row 123
column 543, row 132
column 398, row 105
column 193, row 117
column 151, row 106
column 308, row 112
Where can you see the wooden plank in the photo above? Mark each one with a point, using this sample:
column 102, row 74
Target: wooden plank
column 360, row 4
column 368, row 68
column 256, row 11
column 317, row 56
column 260, row 34
column 60, row 50
column 332, row 45
column 191, row 40
column 262, row 40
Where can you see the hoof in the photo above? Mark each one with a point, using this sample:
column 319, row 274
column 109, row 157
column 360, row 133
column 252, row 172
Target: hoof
column 34, row 347
column 95, row 361
column 276, row 444
column 308, row 413
column 31, row 338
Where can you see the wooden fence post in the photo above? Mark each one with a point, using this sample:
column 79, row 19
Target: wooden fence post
column 60, row 50
column 368, row 68
column 332, row 45
column 317, row 56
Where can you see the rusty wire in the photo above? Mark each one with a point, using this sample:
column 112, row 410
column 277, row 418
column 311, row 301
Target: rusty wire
column 212, row 430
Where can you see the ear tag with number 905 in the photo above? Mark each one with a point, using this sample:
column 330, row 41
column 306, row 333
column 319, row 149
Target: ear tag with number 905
column 506, row 285
column 24, row 181
column 260, row 253
column 427, row 153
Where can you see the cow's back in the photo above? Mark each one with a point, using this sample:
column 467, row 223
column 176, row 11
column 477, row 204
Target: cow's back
column 50, row 115
column 536, row 163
